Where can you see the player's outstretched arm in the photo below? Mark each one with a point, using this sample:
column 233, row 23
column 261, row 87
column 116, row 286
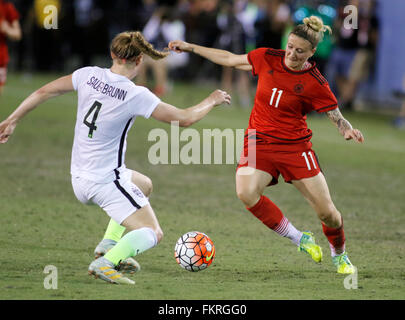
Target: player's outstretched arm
column 344, row 126
column 186, row 117
column 218, row 56
column 11, row 30
column 50, row 90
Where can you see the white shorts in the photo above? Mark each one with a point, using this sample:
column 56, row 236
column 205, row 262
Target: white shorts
column 119, row 198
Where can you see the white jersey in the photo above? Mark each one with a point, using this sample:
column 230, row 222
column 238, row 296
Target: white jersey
column 108, row 104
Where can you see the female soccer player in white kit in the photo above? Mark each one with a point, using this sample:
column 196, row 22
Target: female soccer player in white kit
column 108, row 103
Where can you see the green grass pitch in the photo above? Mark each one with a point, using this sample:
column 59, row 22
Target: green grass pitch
column 43, row 224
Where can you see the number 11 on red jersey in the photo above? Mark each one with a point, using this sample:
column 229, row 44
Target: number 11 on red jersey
column 280, row 92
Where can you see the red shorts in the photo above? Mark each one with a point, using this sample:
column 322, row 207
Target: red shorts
column 293, row 162
column 3, row 75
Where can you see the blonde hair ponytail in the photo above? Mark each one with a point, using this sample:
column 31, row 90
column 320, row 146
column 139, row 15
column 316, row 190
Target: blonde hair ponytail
column 130, row 44
column 312, row 30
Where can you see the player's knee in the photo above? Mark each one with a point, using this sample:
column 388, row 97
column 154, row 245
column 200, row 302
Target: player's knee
column 330, row 216
column 148, row 185
column 144, row 183
column 248, row 195
column 159, row 234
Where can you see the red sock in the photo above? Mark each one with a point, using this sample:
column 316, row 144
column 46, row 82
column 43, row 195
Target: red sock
column 336, row 238
column 267, row 212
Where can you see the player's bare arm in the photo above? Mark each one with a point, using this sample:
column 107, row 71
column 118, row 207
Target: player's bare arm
column 218, row 56
column 344, row 126
column 11, row 30
column 167, row 113
column 50, row 90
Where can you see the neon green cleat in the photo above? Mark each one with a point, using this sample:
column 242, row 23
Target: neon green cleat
column 343, row 264
column 105, row 270
column 128, row 265
column 308, row 245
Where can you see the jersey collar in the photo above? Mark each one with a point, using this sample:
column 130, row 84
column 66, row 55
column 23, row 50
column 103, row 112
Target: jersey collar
column 297, row 72
column 116, row 75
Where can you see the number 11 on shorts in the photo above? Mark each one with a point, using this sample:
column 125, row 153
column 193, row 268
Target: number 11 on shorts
column 304, row 154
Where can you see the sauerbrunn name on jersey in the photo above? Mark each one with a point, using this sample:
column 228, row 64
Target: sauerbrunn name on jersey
column 105, row 88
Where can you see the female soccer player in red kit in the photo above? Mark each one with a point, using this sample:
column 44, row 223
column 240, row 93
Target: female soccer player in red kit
column 9, row 28
column 288, row 88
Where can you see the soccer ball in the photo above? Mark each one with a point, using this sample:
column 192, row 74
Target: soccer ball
column 194, row 251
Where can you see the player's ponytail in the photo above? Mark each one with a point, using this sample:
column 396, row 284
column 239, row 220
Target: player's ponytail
column 312, row 30
column 130, row 44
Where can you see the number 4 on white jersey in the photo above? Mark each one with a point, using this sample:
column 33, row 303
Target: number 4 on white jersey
column 94, row 109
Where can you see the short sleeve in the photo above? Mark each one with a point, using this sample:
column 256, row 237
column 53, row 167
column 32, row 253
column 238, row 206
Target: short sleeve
column 144, row 103
column 324, row 100
column 255, row 58
column 11, row 13
column 78, row 75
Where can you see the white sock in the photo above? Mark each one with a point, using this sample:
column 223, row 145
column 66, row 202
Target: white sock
column 286, row 229
column 132, row 244
column 333, row 251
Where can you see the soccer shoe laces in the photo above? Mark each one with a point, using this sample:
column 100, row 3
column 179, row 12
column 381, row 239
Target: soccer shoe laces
column 343, row 264
column 308, row 245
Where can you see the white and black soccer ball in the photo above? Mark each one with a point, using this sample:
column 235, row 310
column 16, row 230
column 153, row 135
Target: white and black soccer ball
column 194, row 251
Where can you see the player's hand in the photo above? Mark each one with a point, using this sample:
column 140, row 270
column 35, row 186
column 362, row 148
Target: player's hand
column 4, row 26
column 220, row 97
column 354, row 134
column 6, row 130
column 179, row 46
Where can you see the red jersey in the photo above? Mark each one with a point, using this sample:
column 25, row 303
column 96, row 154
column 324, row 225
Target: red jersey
column 8, row 13
column 284, row 97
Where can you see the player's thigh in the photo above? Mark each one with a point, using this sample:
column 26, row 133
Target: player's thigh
column 144, row 217
column 142, row 181
column 316, row 191
column 251, row 182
